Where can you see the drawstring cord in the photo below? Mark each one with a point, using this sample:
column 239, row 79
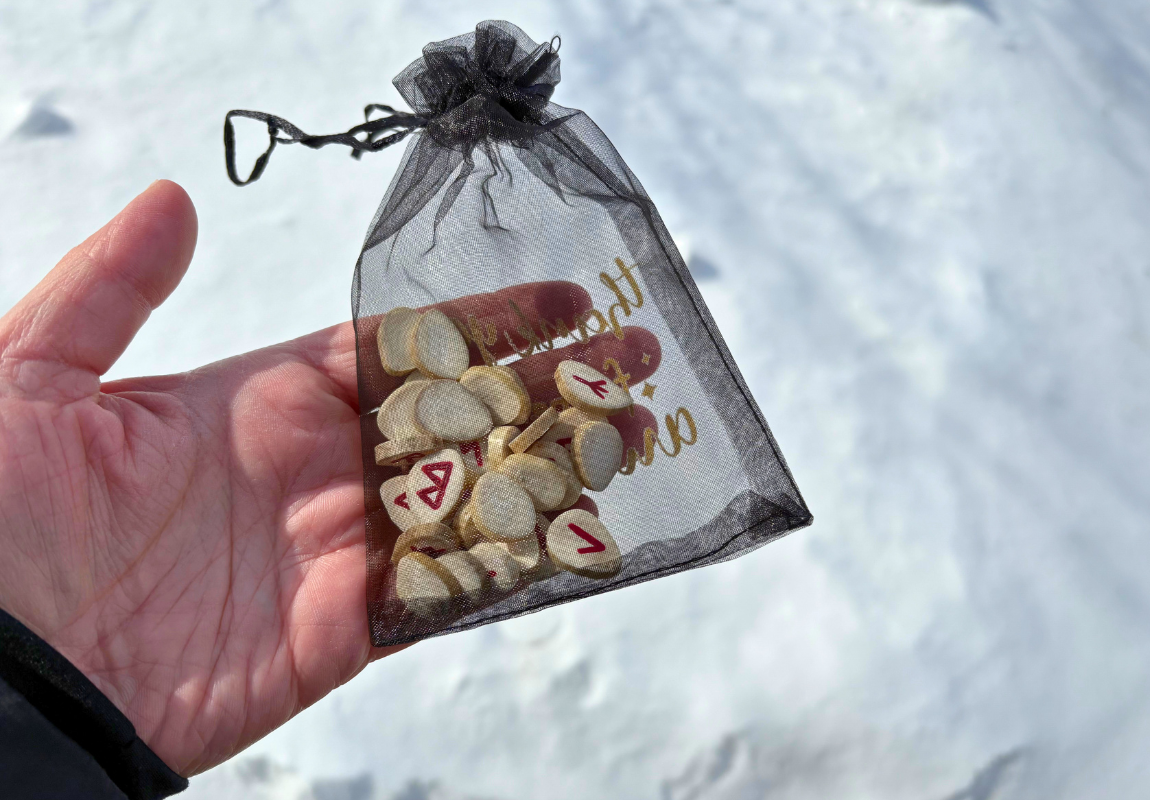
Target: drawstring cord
column 376, row 138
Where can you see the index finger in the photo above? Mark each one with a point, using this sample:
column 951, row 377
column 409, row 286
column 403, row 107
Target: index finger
column 504, row 319
column 512, row 319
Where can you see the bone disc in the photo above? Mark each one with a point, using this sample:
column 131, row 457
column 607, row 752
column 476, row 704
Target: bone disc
column 433, row 539
column 514, row 377
column 435, row 484
column 501, row 568
column 426, row 586
column 563, row 431
column 584, row 502
column 574, row 492
column 396, row 417
column 397, row 450
column 392, row 336
column 533, row 432
column 561, row 456
column 597, row 451
column 436, row 346
column 503, row 510
column 393, row 493
column 578, row 542
column 416, row 377
column 465, row 527
column 505, row 398
column 497, row 445
column 555, row 453
column 543, row 480
column 420, row 577
column 474, row 456
column 526, row 551
column 545, row 568
column 590, row 390
column 459, row 519
column 447, row 410
column 468, row 570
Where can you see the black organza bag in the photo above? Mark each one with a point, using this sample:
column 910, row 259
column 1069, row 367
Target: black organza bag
column 548, row 410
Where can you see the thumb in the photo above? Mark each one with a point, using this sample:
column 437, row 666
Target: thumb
column 77, row 321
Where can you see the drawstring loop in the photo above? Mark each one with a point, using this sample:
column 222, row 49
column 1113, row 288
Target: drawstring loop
column 375, row 131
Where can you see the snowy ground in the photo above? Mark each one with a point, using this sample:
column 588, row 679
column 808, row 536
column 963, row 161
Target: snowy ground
column 923, row 227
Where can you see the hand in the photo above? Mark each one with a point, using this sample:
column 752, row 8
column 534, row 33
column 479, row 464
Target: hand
column 193, row 543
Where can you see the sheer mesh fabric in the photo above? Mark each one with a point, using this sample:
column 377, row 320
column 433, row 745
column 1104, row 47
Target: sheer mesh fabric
column 500, row 187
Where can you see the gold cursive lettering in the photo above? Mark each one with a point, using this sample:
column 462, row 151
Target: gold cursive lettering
column 633, row 458
column 590, row 314
column 481, row 340
column 624, row 303
column 677, row 439
column 651, row 438
column 525, row 330
column 551, row 332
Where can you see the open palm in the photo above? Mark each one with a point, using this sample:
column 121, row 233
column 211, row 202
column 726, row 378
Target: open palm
column 193, row 543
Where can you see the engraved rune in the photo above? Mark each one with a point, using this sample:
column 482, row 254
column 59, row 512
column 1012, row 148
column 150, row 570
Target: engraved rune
column 473, row 447
column 596, row 546
column 439, row 474
column 599, row 387
column 401, row 501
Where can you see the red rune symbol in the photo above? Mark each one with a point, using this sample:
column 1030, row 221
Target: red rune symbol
column 473, row 447
column 439, row 474
column 491, row 573
column 596, row 546
column 401, row 500
column 599, row 387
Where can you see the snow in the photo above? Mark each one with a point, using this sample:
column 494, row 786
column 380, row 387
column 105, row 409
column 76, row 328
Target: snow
column 922, row 227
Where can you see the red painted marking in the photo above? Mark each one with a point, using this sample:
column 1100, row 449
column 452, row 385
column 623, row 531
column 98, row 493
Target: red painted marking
column 401, row 500
column 473, row 447
column 599, row 387
column 564, row 442
column 596, row 546
column 491, row 573
column 439, row 474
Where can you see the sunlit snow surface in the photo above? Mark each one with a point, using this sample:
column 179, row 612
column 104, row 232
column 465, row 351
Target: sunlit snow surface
column 925, row 230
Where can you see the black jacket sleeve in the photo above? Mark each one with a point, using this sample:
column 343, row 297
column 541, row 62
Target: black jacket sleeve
column 60, row 737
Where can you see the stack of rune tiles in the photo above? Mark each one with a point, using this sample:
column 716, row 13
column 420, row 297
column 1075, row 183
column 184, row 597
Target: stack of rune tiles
column 492, row 494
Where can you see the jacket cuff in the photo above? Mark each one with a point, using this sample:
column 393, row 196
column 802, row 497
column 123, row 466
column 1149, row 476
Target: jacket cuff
column 71, row 702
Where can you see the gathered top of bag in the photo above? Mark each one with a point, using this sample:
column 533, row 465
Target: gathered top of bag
column 494, row 84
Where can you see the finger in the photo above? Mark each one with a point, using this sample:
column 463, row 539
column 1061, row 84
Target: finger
column 89, row 307
column 513, row 319
column 631, row 424
column 498, row 315
column 637, row 355
column 332, row 351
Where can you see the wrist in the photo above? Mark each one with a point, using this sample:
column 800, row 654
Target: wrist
column 74, row 706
